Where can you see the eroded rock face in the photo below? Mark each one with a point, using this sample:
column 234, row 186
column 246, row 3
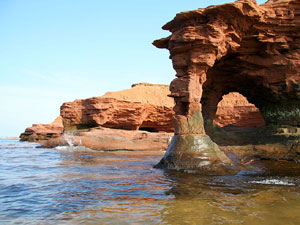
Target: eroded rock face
column 42, row 132
column 234, row 109
column 144, row 107
column 204, row 156
column 101, row 138
column 236, row 47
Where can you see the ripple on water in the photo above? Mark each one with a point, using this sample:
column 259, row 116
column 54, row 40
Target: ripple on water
column 273, row 181
column 81, row 186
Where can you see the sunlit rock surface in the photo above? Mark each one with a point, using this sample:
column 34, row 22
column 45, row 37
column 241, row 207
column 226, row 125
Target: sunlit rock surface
column 234, row 109
column 101, row 138
column 42, row 132
column 144, row 107
column 236, row 47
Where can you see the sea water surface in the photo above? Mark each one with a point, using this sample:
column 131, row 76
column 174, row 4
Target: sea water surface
column 81, row 186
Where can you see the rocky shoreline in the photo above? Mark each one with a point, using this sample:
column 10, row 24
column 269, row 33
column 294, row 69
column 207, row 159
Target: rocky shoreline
column 98, row 123
column 234, row 47
column 140, row 118
column 100, row 138
column 218, row 53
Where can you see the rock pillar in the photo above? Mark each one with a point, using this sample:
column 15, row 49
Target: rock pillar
column 191, row 149
column 236, row 47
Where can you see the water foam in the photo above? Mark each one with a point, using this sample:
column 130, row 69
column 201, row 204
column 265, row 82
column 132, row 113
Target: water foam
column 74, row 148
column 69, row 140
column 273, row 182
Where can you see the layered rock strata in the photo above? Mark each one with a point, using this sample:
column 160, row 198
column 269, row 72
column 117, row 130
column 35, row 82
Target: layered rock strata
column 143, row 107
column 236, row 47
column 101, row 138
column 234, row 109
column 42, row 132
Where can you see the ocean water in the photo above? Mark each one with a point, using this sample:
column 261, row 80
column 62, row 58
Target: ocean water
column 81, row 186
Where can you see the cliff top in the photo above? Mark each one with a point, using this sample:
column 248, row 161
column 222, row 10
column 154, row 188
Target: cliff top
column 155, row 94
column 148, row 84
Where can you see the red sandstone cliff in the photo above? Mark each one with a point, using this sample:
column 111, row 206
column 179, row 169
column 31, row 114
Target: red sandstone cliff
column 42, row 132
column 234, row 109
column 144, row 107
column 235, row 47
column 148, row 107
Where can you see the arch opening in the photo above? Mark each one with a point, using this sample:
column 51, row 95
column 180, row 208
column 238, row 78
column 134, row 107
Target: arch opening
column 231, row 74
column 233, row 120
column 234, row 110
column 237, row 56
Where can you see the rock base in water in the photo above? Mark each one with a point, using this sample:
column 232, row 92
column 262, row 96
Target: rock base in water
column 268, row 142
column 198, row 154
column 113, row 139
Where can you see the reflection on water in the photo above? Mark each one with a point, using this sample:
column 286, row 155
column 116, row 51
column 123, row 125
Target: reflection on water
column 80, row 186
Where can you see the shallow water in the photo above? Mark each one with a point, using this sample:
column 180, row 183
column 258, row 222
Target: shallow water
column 80, row 186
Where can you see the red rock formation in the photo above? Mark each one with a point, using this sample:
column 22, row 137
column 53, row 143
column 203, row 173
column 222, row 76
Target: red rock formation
column 234, row 109
column 236, row 47
column 113, row 139
column 154, row 94
column 42, row 132
column 144, row 107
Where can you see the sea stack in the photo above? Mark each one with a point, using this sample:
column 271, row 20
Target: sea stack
column 236, row 47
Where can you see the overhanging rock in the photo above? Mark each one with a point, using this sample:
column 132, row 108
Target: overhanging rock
column 236, row 47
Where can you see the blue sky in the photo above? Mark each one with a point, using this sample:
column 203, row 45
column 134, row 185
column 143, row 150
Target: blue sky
column 53, row 51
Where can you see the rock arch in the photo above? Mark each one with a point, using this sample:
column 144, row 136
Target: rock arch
column 240, row 46
column 235, row 110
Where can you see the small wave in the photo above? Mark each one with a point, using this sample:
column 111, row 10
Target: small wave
column 62, row 147
column 73, row 148
column 19, row 145
column 273, row 182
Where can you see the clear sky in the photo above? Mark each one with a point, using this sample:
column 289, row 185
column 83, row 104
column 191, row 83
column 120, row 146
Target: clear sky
column 53, row 51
